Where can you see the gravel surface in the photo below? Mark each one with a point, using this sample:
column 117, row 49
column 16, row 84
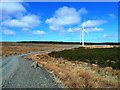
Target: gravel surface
column 18, row 73
column 28, row 77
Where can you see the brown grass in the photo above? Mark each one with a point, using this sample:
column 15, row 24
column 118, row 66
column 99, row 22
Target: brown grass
column 13, row 48
column 78, row 74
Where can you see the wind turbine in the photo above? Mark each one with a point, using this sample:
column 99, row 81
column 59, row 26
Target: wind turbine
column 82, row 33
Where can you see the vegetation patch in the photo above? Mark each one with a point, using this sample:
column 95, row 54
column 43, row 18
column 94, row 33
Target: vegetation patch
column 101, row 56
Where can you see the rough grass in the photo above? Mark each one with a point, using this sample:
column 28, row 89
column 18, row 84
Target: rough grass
column 77, row 74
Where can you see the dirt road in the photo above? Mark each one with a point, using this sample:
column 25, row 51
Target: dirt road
column 18, row 73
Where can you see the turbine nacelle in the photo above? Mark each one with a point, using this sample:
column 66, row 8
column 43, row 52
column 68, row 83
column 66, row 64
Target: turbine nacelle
column 85, row 31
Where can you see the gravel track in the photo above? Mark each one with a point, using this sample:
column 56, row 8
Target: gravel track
column 28, row 77
column 18, row 73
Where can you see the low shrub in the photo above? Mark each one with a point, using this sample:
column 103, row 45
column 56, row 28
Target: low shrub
column 102, row 56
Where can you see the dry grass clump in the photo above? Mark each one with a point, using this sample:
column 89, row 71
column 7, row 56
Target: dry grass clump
column 76, row 74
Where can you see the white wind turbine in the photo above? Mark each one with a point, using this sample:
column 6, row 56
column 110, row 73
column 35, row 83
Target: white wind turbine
column 82, row 34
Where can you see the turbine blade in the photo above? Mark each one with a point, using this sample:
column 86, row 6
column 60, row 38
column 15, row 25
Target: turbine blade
column 83, row 25
column 78, row 28
column 85, row 31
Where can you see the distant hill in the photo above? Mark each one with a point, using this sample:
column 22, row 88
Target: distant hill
column 57, row 42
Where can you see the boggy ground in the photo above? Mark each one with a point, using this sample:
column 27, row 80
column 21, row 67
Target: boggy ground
column 8, row 49
column 77, row 74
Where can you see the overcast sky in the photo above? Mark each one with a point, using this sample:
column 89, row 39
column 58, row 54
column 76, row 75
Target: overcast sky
column 38, row 21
